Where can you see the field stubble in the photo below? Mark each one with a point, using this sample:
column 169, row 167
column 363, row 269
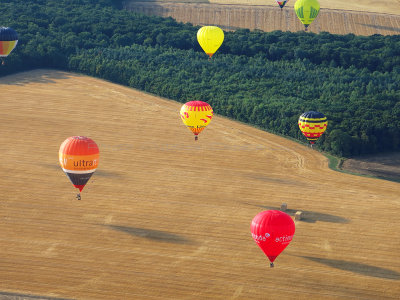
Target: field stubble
column 231, row 15
column 167, row 218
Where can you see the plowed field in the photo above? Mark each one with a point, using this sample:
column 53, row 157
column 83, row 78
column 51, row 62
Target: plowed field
column 357, row 17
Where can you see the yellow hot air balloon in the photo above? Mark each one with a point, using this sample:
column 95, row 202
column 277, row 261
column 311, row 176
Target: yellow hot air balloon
column 306, row 11
column 210, row 39
column 196, row 115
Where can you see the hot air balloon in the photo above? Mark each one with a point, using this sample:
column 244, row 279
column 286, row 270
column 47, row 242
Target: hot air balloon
column 281, row 3
column 210, row 39
column 8, row 41
column 272, row 230
column 312, row 124
column 79, row 157
column 196, row 115
column 306, row 11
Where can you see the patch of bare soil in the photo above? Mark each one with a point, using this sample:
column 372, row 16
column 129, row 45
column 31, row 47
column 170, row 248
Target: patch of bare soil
column 385, row 166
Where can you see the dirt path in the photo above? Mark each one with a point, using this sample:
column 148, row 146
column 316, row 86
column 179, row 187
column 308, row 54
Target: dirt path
column 167, row 218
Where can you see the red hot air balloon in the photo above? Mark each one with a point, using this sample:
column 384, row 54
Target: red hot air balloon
column 79, row 158
column 272, row 230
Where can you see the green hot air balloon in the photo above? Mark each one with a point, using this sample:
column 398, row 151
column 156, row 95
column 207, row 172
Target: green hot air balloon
column 306, row 11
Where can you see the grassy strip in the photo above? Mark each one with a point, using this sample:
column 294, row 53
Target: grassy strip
column 336, row 163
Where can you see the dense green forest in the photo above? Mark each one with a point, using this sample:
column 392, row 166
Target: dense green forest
column 265, row 79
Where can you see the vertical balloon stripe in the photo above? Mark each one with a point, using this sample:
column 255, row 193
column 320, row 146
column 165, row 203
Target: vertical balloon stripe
column 313, row 13
column 300, row 13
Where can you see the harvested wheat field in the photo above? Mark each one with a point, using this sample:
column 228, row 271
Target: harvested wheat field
column 165, row 217
column 381, row 6
column 231, row 16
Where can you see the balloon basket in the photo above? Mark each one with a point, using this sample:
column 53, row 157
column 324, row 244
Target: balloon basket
column 196, row 137
column 78, row 196
column 271, row 265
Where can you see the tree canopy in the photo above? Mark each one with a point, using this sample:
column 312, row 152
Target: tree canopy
column 264, row 79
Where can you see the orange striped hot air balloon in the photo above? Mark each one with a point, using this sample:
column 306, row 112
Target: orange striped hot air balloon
column 79, row 158
column 196, row 115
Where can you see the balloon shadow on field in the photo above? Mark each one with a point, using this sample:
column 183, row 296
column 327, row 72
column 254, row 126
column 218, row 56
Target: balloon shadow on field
column 151, row 234
column 8, row 295
column 388, row 28
column 311, row 216
column 103, row 173
column 357, row 267
column 36, row 76
column 273, row 180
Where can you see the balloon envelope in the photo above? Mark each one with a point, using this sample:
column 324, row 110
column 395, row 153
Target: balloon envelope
column 210, row 39
column 306, row 11
column 312, row 124
column 8, row 40
column 196, row 115
column 272, row 230
column 79, row 158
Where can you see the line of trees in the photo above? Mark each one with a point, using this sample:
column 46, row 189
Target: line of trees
column 265, row 79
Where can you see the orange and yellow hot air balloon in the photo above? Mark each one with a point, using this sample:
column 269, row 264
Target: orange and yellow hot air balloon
column 312, row 124
column 196, row 115
column 8, row 41
column 79, row 158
